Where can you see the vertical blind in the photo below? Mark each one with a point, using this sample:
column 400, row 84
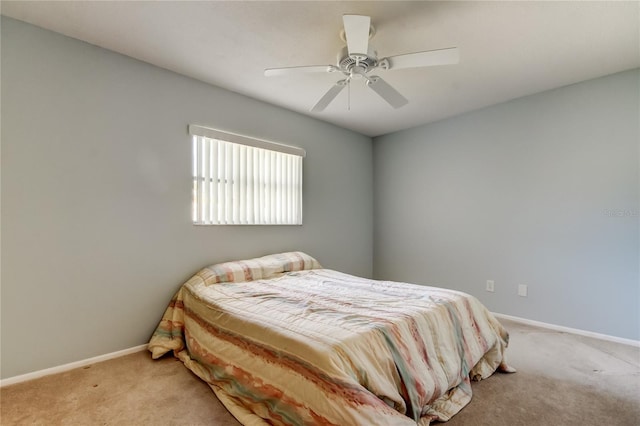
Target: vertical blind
column 238, row 183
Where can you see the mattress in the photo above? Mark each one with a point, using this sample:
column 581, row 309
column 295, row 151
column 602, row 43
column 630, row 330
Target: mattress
column 283, row 341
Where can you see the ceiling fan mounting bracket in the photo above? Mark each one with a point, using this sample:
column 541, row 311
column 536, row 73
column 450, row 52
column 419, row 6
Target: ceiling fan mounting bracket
column 384, row 64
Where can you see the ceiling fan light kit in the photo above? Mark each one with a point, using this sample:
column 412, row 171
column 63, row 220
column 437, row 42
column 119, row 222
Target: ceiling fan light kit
column 358, row 58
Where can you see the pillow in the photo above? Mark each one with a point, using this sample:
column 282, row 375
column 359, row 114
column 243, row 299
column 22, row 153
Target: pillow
column 264, row 267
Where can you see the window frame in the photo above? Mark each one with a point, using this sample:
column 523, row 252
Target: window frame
column 265, row 188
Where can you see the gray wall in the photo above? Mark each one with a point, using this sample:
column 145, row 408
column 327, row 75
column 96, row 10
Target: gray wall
column 541, row 191
column 96, row 181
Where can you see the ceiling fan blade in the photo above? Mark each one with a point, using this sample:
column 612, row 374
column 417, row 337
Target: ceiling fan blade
column 388, row 93
column 425, row 59
column 329, row 96
column 356, row 31
column 274, row 72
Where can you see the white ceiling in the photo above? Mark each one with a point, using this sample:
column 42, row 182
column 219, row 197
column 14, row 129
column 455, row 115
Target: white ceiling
column 508, row 49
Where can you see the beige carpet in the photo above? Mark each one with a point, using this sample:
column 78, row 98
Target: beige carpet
column 562, row 379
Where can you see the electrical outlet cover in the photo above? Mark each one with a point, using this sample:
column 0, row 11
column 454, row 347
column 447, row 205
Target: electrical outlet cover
column 490, row 285
column 522, row 290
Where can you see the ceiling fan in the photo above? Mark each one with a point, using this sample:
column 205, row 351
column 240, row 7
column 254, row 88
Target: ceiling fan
column 358, row 58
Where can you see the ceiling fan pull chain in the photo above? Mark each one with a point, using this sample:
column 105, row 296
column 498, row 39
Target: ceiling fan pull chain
column 349, row 95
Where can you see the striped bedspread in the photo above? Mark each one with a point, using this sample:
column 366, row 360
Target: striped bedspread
column 286, row 342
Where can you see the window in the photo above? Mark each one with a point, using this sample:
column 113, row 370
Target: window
column 244, row 181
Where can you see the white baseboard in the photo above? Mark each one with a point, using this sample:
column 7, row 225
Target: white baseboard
column 70, row 366
column 112, row 355
column 554, row 327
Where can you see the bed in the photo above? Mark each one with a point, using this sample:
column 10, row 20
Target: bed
column 283, row 341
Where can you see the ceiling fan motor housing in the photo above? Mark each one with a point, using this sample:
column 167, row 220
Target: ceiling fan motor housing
column 346, row 63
